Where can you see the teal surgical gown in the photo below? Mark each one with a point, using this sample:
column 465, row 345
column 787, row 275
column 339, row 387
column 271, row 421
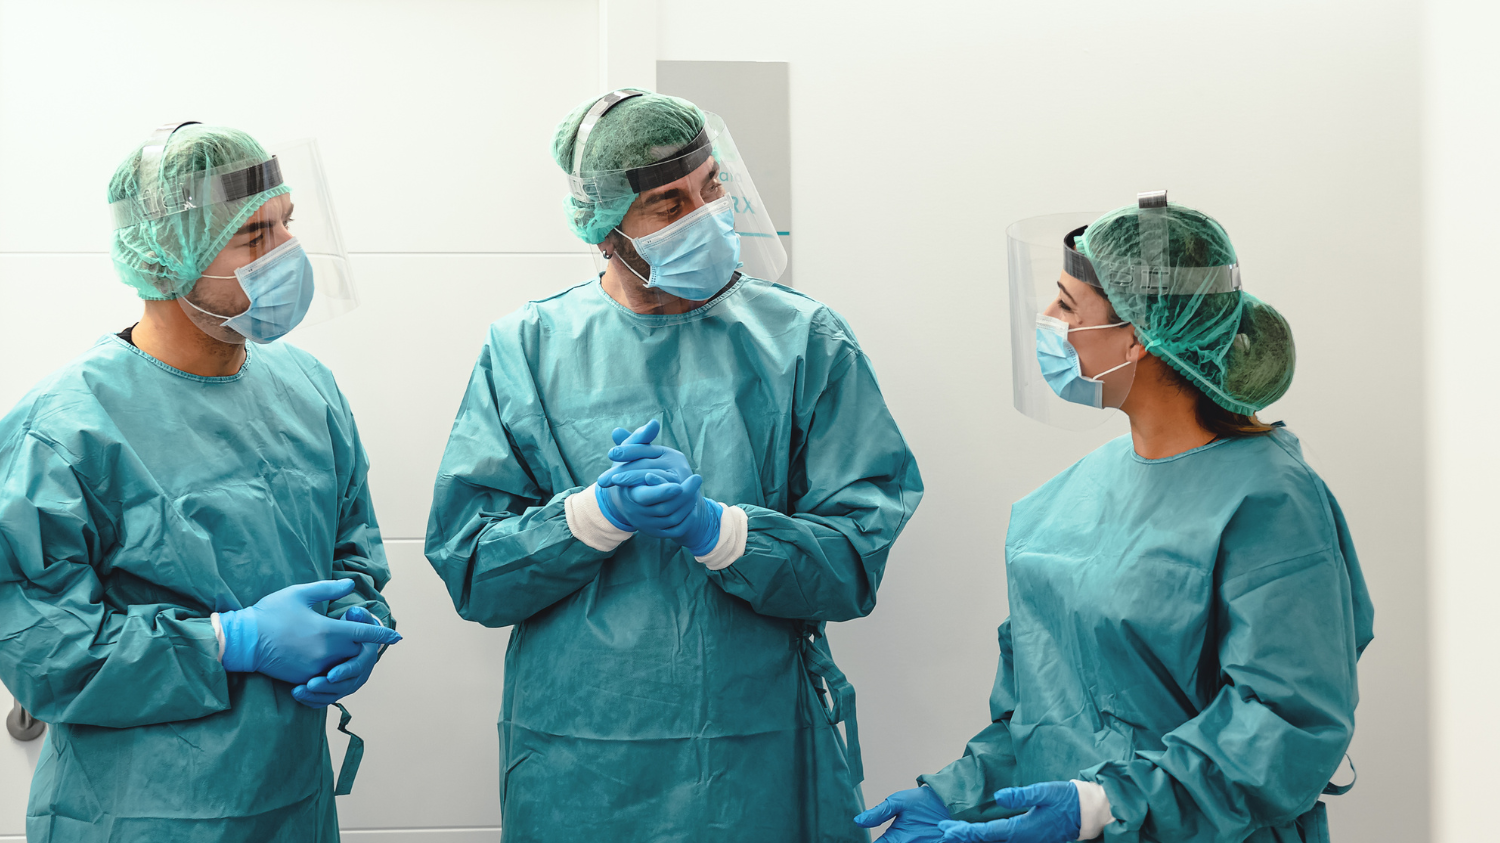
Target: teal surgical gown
column 135, row 500
column 648, row 698
column 1184, row 632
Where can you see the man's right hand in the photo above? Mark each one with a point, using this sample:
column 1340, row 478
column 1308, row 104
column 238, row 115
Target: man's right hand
column 285, row 637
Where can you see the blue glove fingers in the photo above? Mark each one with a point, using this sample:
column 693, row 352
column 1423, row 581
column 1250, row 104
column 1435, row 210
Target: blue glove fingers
column 998, row 831
column 659, row 494
column 359, row 614
column 642, row 435
column 630, row 453
column 364, row 633
column 360, row 665
column 628, row 476
column 872, row 817
column 322, row 591
column 311, row 699
column 337, row 690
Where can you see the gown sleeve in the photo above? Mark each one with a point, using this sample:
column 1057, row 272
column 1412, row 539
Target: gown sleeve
column 1290, row 632
column 498, row 539
column 65, row 653
column 967, row 786
column 853, row 484
column 358, row 552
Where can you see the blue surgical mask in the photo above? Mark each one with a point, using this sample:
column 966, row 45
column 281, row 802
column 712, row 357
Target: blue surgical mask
column 694, row 257
column 280, row 286
column 1061, row 367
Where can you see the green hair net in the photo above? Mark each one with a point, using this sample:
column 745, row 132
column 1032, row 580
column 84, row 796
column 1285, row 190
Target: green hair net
column 1172, row 273
column 634, row 133
column 163, row 258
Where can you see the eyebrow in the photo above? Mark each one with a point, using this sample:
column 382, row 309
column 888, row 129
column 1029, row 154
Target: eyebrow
column 257, row 226
column 674, row 193
column 1064, row 291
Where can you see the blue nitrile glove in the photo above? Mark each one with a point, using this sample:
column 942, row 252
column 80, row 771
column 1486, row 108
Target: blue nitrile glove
column 286, row 638
column 343, row 679
column 1055, row 817
column 917, row 812
column 610, row 497
column 676, row 511
column 633, row 461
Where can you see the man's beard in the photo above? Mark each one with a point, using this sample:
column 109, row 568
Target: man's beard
column 624, row 250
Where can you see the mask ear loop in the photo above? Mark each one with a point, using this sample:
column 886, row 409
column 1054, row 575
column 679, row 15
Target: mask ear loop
column 626, row 263
column 148, row 171
column 1099, row 378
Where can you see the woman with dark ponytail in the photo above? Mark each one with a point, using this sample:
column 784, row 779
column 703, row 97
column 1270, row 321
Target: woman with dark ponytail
column 1187, row 609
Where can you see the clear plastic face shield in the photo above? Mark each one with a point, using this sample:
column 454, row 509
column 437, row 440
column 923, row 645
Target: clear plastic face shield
column 694, row 218
column 1071, row 357
column 283, row 266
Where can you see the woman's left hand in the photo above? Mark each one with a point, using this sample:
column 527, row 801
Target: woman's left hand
column 1055, row 817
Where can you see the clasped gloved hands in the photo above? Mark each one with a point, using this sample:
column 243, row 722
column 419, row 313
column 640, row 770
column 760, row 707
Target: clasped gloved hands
column 342, row 679
column 917, row 813
column 285, row 637
column 652, row 488
column 1055, row 817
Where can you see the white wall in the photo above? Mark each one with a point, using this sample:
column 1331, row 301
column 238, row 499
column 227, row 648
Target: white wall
column 1460, row 120
column 919, row 131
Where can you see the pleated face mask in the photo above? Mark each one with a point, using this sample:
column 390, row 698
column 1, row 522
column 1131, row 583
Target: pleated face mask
column 694, row 257
column 280, row 287
column 1061, row 367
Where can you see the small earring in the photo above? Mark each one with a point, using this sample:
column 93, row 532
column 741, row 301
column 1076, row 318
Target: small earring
column 606, row 255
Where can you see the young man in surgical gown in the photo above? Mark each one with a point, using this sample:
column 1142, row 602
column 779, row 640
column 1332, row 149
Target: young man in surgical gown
column 190, row 568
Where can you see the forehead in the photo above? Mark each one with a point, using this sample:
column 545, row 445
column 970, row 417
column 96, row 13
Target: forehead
column 1081, row 291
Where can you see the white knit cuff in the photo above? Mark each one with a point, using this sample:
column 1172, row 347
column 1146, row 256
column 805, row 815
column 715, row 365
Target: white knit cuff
column 218, row 633
column 734, row 527
column 588, row 524
column 1093, row 809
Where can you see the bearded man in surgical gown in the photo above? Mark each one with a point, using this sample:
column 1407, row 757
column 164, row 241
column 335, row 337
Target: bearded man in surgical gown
column 654, row 691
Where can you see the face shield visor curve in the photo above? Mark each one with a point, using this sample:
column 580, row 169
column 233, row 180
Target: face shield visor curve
column 1069, row 352
column 708, row 171
column 283, row 264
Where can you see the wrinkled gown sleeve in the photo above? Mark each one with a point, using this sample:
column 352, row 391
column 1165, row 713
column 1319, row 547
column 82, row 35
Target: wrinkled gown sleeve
column 65, row 653
column 499, row 540
column 967, row 786
column 852, row 486
column 1290, row 634
column 358, row 553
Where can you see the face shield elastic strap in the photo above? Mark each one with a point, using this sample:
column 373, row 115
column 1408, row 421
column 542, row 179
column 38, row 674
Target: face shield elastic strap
column 155, row 202
column 680, row 163
column 1155, row 277
column 149, row 170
